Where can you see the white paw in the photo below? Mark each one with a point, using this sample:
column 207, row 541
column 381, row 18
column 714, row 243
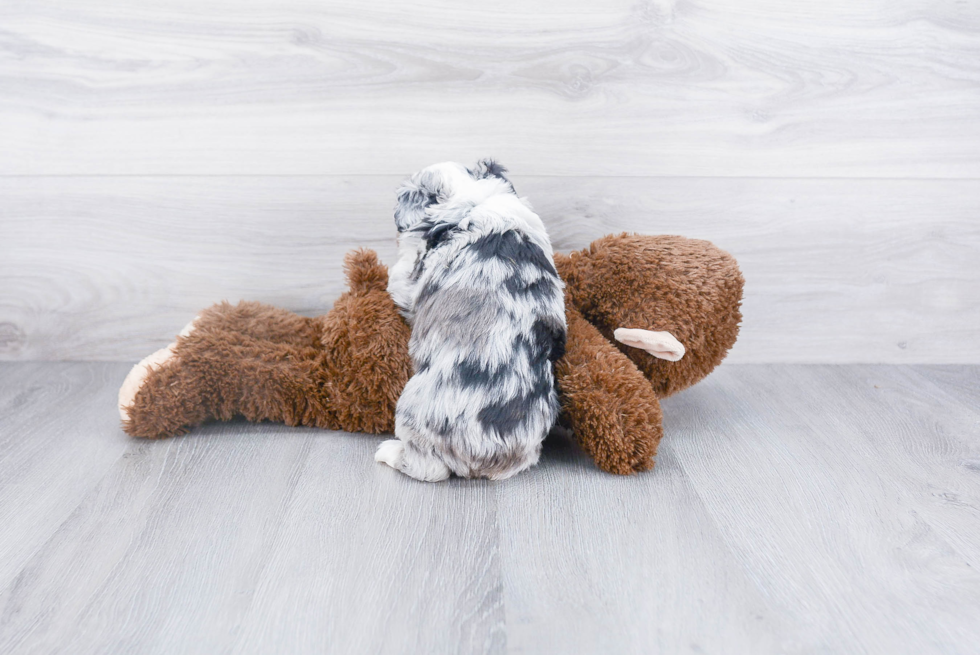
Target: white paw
column 390, row 452
column 137, row 375
column 659, row 344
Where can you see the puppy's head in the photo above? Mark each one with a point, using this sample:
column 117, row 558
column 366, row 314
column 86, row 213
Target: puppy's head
column 444, row 186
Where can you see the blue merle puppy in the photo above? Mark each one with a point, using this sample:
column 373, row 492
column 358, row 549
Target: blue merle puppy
column 476, row 280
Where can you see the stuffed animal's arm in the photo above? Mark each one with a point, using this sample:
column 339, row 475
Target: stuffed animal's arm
column 248, row 359
column 613, row 410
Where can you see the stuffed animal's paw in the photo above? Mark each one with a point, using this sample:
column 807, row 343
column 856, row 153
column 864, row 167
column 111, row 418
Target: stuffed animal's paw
column 138, row 374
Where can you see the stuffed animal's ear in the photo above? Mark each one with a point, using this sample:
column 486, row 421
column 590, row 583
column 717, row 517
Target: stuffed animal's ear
column 364, row 272
column 659, row 344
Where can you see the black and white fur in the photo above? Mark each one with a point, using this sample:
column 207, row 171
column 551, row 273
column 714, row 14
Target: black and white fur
column 476, row 280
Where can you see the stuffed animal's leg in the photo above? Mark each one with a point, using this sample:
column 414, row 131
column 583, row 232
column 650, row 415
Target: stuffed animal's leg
column 137, row 377
column 341, row 371
column 250, row 359
column 261, row 322
column 614, row 412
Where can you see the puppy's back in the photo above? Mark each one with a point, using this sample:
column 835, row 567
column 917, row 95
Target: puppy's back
column 488, row 326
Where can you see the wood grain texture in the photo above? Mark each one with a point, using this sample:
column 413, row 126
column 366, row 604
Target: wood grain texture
column 961, row 382
column 792, row 509
column 239, row 538
column 416, row 569
column 757, row 88
column 110, row 265
column 95, row 268
column 599, row 564
column 858, row 501
column 58, row 438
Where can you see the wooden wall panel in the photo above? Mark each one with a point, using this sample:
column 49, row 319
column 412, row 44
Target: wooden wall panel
column 110, row 268
column 159, row 156
column 758, row 87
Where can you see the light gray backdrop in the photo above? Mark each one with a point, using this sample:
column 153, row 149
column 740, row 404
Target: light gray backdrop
column 158, row 157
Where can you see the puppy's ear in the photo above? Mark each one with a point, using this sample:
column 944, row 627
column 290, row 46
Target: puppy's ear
column 411, row 204
column 489, row 168
column 434, row 234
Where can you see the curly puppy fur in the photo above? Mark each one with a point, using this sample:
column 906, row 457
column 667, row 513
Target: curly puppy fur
column 346, row 370
column 476, row 280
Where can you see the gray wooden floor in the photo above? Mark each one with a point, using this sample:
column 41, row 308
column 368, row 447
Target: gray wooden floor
column 793, row 509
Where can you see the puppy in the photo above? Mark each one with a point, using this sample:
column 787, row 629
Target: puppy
column 476, row 280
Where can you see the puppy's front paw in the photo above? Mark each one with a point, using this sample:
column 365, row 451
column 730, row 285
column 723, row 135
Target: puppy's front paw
column 390, row 452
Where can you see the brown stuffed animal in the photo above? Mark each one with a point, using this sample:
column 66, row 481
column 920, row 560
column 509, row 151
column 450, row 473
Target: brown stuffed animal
column 647, row 317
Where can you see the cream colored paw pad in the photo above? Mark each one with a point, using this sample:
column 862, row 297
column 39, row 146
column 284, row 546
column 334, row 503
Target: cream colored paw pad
column 137, row 375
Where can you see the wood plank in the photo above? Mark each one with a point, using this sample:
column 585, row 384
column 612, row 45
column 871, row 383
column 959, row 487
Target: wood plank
column 370, row 561
column 164, row 554
column 827, row 496
column 598, row 564
column 271, row 538
column 132, row 263
column 757, row 88
column 960, row 382
column 59, row 436
column 837, row 271
column 934, row 459
column 260, row 535
column 111, row 268
column 792, row 509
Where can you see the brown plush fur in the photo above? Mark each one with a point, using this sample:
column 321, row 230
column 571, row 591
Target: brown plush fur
column 346, row 369
column 606, row 402
column 687, row 287
column 341, row 371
